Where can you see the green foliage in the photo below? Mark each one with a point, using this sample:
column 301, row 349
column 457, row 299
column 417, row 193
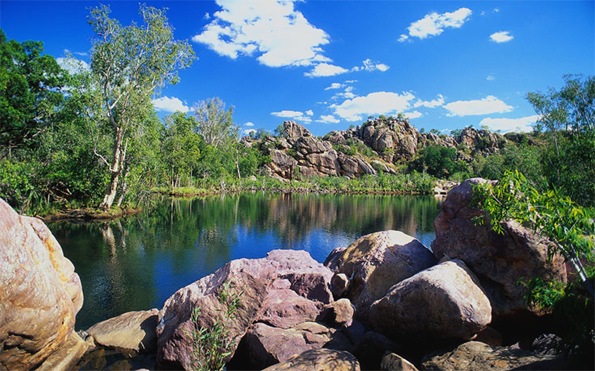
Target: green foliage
column 30, row 93
column 212, row 346
column 568, row 118
column 438, row 161
column 566, row 224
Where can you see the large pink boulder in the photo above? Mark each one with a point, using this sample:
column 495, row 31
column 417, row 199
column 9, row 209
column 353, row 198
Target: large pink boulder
column 500, row 261
column 284, row 289
column 40, row 294
column 442, row 302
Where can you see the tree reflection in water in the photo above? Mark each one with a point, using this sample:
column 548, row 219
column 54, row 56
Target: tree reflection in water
column 137, row 262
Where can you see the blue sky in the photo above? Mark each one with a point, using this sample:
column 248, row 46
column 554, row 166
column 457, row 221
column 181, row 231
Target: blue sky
column 332, row 64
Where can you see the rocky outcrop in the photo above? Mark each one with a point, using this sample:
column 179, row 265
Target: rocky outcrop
column 131, row 331
column 261, row 286
column 441, row 302
column 299, row 154
column 477, row 356
column 500, row 261
column 481, row 141
column 376, row 262
column 319, row 360
column 40, row 294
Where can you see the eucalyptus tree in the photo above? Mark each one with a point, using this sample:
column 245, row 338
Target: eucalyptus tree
column 180, row 147
column 214, row 121
column 128, row 65
column 568, row 118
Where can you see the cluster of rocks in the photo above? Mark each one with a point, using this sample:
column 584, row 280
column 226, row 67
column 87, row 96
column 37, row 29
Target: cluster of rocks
column 298, row 153
column 384, row 302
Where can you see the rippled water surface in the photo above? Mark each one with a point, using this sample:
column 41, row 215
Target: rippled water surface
column 138, row 262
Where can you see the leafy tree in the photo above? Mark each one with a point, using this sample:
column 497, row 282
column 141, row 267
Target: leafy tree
column 214, row 121
column 30, row 93
column 128, row 65
column 568, row 118
column 180, row 147
column 438, row 161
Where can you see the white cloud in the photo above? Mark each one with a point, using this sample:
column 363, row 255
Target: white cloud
column 378, row 103
column 413, row 114
column 247, row 132
column 434, row 24
column 491, row 77
column 73, row 65
column 501, row 37
column 334, row 85
column 347, row 93
column 272, row 29
column 295, row 115
column 484, row 106
column 168, row 104
column 521, row 124
column 249, row 124
column 328, row 119
column 325, row 70
column 439, row 101
column 369, row 65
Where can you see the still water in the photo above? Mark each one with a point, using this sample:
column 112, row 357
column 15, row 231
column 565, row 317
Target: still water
column 136, row 263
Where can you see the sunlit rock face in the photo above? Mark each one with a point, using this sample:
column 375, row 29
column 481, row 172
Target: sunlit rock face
column 40, row 293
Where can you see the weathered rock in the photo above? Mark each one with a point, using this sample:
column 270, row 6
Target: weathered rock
column 338, row 313
column 339, row 285
column 442, row 302
column 500, row 261
column 268, row 345
column 376, row 262
column 40, row 293
column 67, row 356
column 260, row 284
column 284, row 308
column 133, row 331
column 477, row 356
column 319, row 360
column 394, row 362
column 248, row 277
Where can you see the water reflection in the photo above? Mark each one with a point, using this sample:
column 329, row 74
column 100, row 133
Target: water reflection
column 138, row 262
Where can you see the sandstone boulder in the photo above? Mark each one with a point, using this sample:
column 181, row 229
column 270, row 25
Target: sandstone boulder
column 376, row 262
column 267, row 345
column 319, row 360
column 281, row 289
column 500, row 261
column 131, row 331
column 442, row 302
column 40, row 293
column 477, row 356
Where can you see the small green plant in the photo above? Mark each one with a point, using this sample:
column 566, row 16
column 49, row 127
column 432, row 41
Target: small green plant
column 212, row 345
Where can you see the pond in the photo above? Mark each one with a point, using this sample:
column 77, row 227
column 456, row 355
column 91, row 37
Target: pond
column 137, row 262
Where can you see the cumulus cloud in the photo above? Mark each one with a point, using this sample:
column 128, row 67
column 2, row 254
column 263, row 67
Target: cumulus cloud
column 347, row 93
column 295, row 115
column 491, row 77
column 325, row 70
column 334, row 86
column 246, row 28
column 521, row 124
column 168, row 104
column 369, row 65
column 501, row 37
column 73, row 65
column 249, row 124
column 413, row 115
column 434, row 24
column 439, row 101
column 328, row 119
column 377, row 103
column 484, row 106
